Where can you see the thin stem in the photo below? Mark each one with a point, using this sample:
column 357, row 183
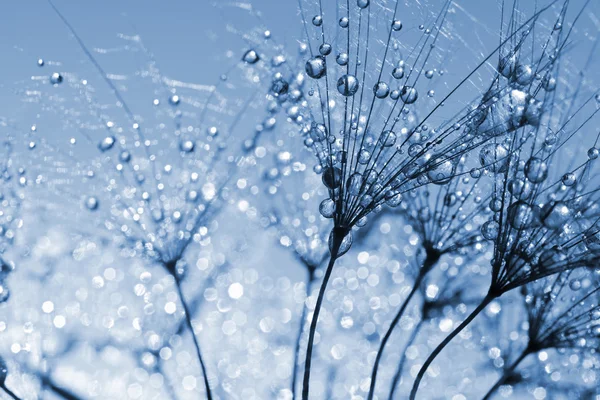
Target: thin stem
column 438, row 350
column 398, row 374
column 188, row 319
column 10, row 393
column 337, row 237
column 388, row 334
column 309, row 283
column 62, row 392
column 507, row 372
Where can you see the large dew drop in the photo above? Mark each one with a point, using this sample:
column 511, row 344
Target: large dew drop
column 494, row 157
column 441, row 172
column 555, row 215
column 520, row 215
column 315, row 67
column 536, row 170
column 347, row 85
column 409, row 94
column 327, row 208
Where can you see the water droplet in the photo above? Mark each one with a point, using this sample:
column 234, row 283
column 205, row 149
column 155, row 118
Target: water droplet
column 398, row 73
column 524, row 74
column 318, row 132
column 520, row 215
column 347, row 85
column 186, row 146
column 441, row 172
column 569, row 179
column 494, row 157
column 327, row 208
column 332, row 177
column 551, row 257
column 251, row 57
column 317, row 20
column 490, row 230
column 381, row 90
column 536, row 170
column 91, row 203
column 174, row 100
column 344, row 22
column 363, row 3
column 107, row 143
column 387, row 138
column 396, row 25
column 507, row 65
column 575, row 284
column 355, row 183
column 40, row 62
column 344, row 246
column 555, row 215
column 315, row 67
column 409, row 94
column 593, row 153
column 56, row 78
column 429, row 74
column 325, row 49
column 279, row 86
column 342, row 59
column 520, row 188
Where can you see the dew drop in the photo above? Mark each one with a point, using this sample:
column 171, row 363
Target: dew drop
column 315, row 67
column 107, row 143
column 520, row 215
column 327, row 208
column 494, row 157
column 555, row 215
column 347, row 85
column 409, row 94
column 187, row 146
column 381, row 90
column 332, row 177
column 398, row 73
column 91, row 203
column 490, row 230
column 441, row 172
column 250, row 57
column 396, row 25
column 536, row 170
column 56, row 78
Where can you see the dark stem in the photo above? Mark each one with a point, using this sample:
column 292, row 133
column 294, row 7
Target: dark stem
column 188, row 319
column 309, row 283
column 387, row 335
column 338, row 236
column 507, row 372
column 64, row 393
column 398, row 373
column 10, row 393
column 437, row 351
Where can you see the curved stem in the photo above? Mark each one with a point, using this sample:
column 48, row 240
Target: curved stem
column 188, row 319
column 309, row 284
column 440, row 347
column 62, row 392
column 387, row 335
column 337, row 238
column 10, row 393
column 507, row 372
column 398, row 373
